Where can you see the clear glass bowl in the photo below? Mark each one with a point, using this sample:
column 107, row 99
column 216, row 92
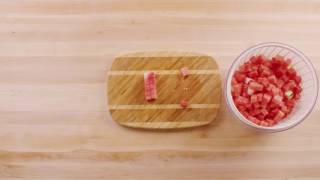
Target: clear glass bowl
column 304, row 68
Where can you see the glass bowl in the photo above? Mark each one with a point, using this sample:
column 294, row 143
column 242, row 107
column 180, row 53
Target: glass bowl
column 304, row 68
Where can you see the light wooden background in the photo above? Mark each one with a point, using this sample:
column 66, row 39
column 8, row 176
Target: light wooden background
column 54, row 122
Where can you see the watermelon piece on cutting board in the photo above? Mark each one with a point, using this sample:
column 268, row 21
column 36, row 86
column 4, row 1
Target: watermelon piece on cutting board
column 150, row 88
column 159, row 106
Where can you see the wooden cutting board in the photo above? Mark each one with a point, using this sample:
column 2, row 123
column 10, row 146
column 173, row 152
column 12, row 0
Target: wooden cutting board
column 202, row 89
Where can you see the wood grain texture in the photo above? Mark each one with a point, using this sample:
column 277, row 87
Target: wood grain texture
column 202, row 90
column 54, row 122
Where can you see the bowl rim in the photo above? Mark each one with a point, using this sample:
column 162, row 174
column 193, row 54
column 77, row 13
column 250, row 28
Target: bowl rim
column 233, row 108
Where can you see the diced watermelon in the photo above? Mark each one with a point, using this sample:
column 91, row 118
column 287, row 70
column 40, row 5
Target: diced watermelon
column 297, row 90
column 270, row 122
column 279, row 116
column 272, row 79
column 290, row 103
column 236, row 90
column 280, row 83
column 289, row 94
column 260, row 116
column 239, row 76
column 250, row 91
column 264, row 112
column 284, row 109
column 245, row 90
column 277, row 100
column 249, row 105
column 184, row 104
column 251, row 118
column 288, row 62
column 279, row 72
column 244, row 94
column 291, row 73
column 267, row 63
column 255, row 112
column 274, row 105
column 275, row 63
column 241, row 108
column 266, row 90
column 297, row 79
column 245, row 113
column 273, row 112
column 253, row 74
column 254, row 99
column 256, row 105
column 264, row 123
column 150, row 89
column 253, row 59
column 241, row 100
column 254, row 120
column 262, row 67
column 289, row 85
column 234, row 81
column 256, row 86
column 260, row 97
column 248, row 80
column 276, row 91
column 184, row 72
column 260, row 59
column 266, row 98
column 264, row 81
column 285, row 78
column 244, row 68
column 257, row 121
column 266, row 73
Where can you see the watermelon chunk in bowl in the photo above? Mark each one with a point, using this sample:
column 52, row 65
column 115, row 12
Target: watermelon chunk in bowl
column 262, row 91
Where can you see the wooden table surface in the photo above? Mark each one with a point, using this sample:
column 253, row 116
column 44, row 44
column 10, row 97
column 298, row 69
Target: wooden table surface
column 54, row 55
